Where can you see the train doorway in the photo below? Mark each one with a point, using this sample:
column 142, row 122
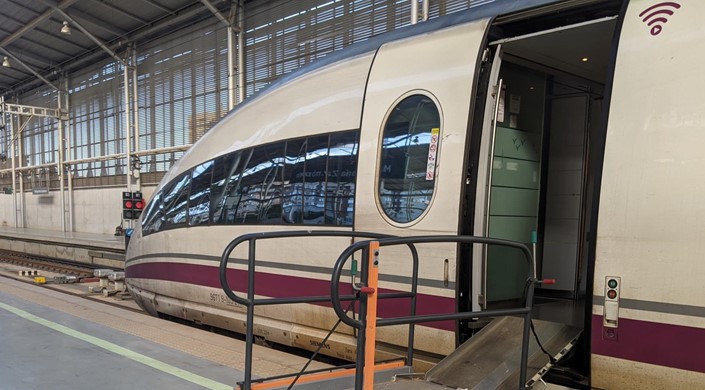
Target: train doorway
column 533, row 182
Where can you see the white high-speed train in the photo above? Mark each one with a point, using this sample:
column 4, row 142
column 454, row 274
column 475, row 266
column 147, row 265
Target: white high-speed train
column 582, row 121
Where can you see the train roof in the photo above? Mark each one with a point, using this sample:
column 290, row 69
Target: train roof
column 482, row 10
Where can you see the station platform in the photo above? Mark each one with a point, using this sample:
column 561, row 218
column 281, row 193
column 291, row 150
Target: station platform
column 91, row 248
column 101, row 241
column 53, row 340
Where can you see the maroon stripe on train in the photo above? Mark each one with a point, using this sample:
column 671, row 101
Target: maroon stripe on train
column 667, row 345
column 286, row 286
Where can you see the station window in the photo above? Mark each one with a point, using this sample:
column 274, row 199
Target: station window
column 407, row 167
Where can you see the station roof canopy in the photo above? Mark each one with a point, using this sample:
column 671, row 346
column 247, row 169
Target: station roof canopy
column 35, row 43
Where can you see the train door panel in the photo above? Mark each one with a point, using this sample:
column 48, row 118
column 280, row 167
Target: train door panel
column 493, row 97
column 410, row 169
column 514, row 174
column 532, row 167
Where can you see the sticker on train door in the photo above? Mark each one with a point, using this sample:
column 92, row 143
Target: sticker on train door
column 432, row 152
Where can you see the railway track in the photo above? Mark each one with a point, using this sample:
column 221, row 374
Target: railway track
column 73, row 268
column 77, row 269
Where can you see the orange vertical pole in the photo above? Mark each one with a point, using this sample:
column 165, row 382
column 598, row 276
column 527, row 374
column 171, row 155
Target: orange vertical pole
column 371, row 326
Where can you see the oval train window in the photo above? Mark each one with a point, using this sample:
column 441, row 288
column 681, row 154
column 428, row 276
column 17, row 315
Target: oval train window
column 407, row 165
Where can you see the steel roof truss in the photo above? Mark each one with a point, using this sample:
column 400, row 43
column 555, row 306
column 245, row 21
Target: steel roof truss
column 120, row 11
column 99, row 23
column 40, row 77
column 36, row 21
column 159, row 6
column 88, row 33
column 32, row 56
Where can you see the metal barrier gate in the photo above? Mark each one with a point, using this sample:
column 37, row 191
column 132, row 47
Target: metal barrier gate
column 366, row 338
column 250, row 302
column 367, row 294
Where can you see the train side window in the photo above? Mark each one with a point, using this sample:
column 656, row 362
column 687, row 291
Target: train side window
column 342, row 172
column 315, row 180
column 200, row 195
column 226, row 184
column 406, row 179
column 261, row 186
column 293, row 188
column 175, row 202
column 151, row 218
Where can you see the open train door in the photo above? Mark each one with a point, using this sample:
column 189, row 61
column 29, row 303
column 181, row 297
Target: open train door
column 494, row 104
column 534, row 140
column 416, row 113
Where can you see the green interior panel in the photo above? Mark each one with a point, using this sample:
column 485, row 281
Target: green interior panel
column 507, row 276
column 513, row 173
column 517, row 202
column 516, row 179
column 512, row 228
column 518, row 144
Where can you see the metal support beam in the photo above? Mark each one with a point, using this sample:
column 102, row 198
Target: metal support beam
column 217, row 13
column 37, row 75
column 231, row 30
column 136, row 117
column 48, row 34
column 414, row 12
column 20, row 157
column 98, row 23
column 60, row 162
column 36, row 21
column 66, row 145
column 121, row 11
column 11, row 155
column 159, row 6
column 86, row 32
column 34, row 57
column 241, row 50
column 20, row 109
column 184, row 15
column 101, row 24
column 231, row 68
column 128, row 126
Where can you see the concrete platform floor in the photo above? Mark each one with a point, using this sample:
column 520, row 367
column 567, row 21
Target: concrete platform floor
column 53, row 340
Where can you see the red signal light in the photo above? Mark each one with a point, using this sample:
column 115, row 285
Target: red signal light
column 139, row 205
column 128, row 204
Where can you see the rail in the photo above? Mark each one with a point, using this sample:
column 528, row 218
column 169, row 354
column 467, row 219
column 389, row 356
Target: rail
column 250, row 301
column 366, row 329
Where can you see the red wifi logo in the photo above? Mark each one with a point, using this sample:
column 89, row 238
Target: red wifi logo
column 656, row 15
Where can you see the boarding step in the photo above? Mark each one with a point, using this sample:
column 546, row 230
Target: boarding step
column 327, row 379
column 491, row 358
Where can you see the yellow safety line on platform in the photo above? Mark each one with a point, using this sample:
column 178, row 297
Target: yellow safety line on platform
column 116, row 349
